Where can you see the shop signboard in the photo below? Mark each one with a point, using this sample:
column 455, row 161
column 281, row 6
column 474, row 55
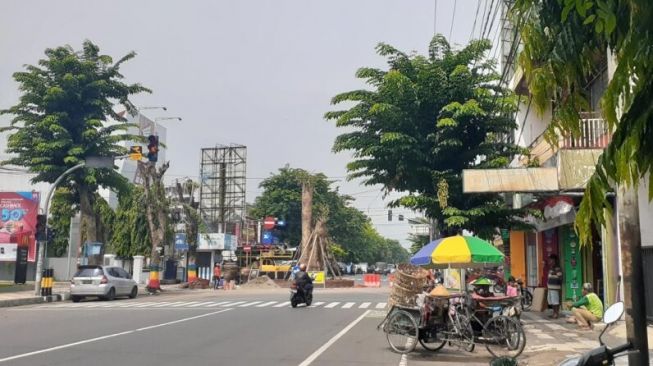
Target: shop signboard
column 18, row 211
column 180, row 242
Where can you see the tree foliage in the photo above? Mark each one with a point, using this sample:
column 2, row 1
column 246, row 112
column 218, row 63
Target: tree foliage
column 61, row 118
column 422, row 122
column 563, row 39
column 130, row 234
column 352, row 233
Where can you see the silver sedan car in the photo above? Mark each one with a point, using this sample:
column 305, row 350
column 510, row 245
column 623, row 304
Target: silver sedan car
column 104, row 282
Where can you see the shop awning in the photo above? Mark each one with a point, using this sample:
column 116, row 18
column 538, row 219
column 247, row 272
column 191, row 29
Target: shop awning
column 510, row 180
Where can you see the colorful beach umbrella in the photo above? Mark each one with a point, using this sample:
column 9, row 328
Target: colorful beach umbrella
column 457, row 251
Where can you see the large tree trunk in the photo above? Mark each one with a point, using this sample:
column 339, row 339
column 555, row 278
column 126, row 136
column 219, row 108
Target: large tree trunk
column 307, row 214
column 88, row 219
column 631, row 261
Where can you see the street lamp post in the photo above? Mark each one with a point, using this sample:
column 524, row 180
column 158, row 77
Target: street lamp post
column 92, row 162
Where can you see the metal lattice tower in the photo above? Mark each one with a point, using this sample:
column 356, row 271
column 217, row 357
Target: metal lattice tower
column 222, row 188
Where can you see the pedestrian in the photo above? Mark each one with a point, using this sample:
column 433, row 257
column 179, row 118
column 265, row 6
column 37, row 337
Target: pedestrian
column 554, row 285
column 588, row 310
column 511, row 288
column 217, row 275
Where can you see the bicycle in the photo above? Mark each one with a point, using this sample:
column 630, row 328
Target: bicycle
column 433, row 325
column 496, row 326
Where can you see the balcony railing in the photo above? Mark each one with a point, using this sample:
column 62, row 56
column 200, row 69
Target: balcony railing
column 594, row 134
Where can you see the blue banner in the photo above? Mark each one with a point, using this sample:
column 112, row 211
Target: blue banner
column 180, row 241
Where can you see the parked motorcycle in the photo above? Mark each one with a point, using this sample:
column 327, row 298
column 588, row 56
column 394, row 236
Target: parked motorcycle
column 300, row 296
column 602, row 355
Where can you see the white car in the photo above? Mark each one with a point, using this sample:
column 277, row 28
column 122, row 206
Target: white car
column 104, row 282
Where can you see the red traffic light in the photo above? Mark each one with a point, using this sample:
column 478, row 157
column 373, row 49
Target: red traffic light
column 153, row 148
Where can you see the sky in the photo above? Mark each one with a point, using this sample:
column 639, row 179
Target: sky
column 257, row 73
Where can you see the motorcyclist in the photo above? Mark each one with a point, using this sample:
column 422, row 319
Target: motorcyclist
column 303, row 281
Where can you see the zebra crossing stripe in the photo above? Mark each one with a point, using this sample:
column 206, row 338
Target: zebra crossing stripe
column 266, row 304
column 332, row 305
column 380, row 305
column 286, row 303
column 201, row 304
column 235, row 303
column 318, row 303
column 144, row 304
column 348, row 305
column 184, row 304
column 217, row 304
column 249, row 304
column 365, row 305
column 170, row 304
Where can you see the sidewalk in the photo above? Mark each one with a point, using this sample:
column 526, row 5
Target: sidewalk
column 17, row 295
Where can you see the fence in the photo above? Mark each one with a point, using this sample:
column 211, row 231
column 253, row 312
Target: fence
column 594, row 134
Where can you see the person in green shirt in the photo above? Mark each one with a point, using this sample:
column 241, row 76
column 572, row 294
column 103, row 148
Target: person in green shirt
column 587, row 310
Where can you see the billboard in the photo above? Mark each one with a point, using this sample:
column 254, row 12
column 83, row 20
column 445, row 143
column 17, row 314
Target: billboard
column 217, row 241
column 18, row 212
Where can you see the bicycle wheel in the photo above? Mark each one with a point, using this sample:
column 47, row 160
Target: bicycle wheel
column 401, row 331
column 432, row 342
column 462, row 332
column 504, row 336
column 527, row 300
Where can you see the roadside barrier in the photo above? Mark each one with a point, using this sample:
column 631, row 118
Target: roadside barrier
column 154, row 282
column 47, row 281
column 192, row 272
column 372, row 280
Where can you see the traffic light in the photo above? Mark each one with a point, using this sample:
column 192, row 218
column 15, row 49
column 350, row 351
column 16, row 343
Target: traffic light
column 40, row 227
column 153, row 148
column 135, row 152
column 389, row 215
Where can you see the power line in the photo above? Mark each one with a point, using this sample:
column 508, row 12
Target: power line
column 435, row 17
column 487, row 21
column 453, row 19
column 478, row 7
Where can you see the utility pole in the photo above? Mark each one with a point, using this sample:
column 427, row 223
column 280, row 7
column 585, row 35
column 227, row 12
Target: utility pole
column 633, row 273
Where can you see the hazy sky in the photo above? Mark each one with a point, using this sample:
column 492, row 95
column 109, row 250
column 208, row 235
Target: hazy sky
column 257, row 73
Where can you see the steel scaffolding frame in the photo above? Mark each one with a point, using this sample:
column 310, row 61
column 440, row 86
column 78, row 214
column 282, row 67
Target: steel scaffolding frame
column 222, row 188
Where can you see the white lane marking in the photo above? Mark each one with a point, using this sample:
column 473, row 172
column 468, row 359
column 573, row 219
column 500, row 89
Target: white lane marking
column 332, row 305
column 266, row 304
column 185, row 304
column 282, row 304
column 69, row 345
column 201, row 304
column 404, row 360
column 249, row 304
column 380, row 305
column 162, row 304
column 365, row 305
column 333, row 340
column 235, row 303
column 348, row 305
column 318, row 304
column 217, row 304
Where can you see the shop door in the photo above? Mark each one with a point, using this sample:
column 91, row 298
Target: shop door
column 549, row 247
column 531, row 259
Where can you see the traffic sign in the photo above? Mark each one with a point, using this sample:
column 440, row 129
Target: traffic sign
column 247, row 248
column 135, row 152
column 269, row 222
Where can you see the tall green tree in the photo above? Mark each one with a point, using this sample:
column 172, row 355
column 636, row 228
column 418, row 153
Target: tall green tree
column 425, row 119
column 62, row 118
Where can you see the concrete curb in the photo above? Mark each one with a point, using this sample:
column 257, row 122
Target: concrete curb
column 34, row 300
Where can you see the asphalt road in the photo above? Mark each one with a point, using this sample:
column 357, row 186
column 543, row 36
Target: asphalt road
column 221, row 328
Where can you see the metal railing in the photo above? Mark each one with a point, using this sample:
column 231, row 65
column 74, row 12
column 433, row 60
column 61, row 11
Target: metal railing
column 594, row 134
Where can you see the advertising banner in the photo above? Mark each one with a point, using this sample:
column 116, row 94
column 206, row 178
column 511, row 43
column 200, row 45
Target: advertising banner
column 318, row 277
column 18, row 212
column 217, row 241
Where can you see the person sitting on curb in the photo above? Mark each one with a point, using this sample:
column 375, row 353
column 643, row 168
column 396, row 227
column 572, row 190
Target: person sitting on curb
column 587, row 310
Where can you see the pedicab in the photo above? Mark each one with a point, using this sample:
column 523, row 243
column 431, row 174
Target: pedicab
column 439, row 320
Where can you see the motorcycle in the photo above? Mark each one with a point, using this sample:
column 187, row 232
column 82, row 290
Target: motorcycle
column 602, row 355
column 300, row 297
